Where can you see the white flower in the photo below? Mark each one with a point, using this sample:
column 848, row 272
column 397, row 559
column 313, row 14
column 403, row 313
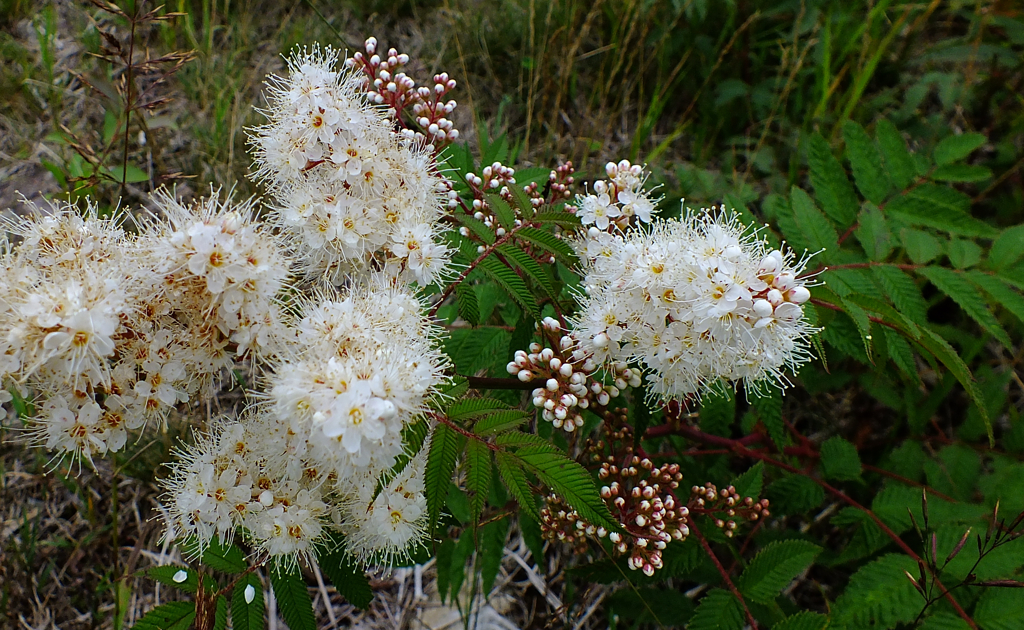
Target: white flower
column 697, row 302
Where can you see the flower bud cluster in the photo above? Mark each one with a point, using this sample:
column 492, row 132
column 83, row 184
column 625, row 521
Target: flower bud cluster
column 695, row 301
column 642, row 498
column 568, row 374
column 615, row 201
column 708, row 499
column 352, row 195
column 385, row 84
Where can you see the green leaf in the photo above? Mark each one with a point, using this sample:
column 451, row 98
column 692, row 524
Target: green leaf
column 565, row 219
column 873, row 233
column 879, row 595
column 227, row 558
column 961, row 173
column 866, row 163
column 550, row 243
column 348, row 579
column 445, row 446
column 900, row 352
column 953, row 148
column 169, row 616
column 794, row 494
column 717, row 412
column 478, row 475
column 806, row 620
column 530, row 267
column 247, row 615
column 945, row 353
column 939, row 207
column 514, row 477
column 477, row 227
column 944, row 621
column 904, row 293
column 922, row 247
column 506, row 216
column 166, row 575
column 472, row 408
column 967, row 297
column 898, row 161
column 1000, row 609
column 718, row 610
column 468, row 303
column 1001, row 291
column 813, row 225
column 749, row 484
column 220, row 615
column 292, row 597
column 769, row 410
column 1007, row 248
column 774, row 568
column 964, row 253
column 571, row 481
column 501, row 421
column 839, row 460
column 511, row 283
column 831, row 186
column 491, row 552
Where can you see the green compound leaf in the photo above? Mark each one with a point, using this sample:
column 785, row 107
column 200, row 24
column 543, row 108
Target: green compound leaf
column 530, row 267
column 873, row 232
column 491, row 552
column 247, row 610
column 774, row 568
column 866, row 163
column 898, row 161
column 348, row 579
column 508, row 280
column 478, row 475
column 817, row 232
column 292, row 597
column 803, row 621
column 445, row 446
column 220, row 615
column 227, row 558
column 169, row 616
column 718, row 610
column 769, row 410
column 1000, row 609
column 968, row 298
column 839, row 460
column 879, row 595
column 179, row 577
column 571, row 481
column 550, row 243
column 939, row 207
column 501, row 421
column 514, row 477
column 1007, row 248
column 961, row 173
column 945, row 353
column 904, row 293
column 506, row 216
column 954, row 148
column 468, row 303
column 472, row 408
column 831, row 186
column 1002, row 292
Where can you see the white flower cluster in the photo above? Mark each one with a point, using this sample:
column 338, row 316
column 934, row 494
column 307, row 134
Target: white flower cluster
column 357, row 372
column 695, row 301
column 617, row 200
column 352, row 196
column 107, row 330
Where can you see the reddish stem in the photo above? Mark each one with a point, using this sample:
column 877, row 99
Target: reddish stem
column 740, row 448
column 721, row 570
